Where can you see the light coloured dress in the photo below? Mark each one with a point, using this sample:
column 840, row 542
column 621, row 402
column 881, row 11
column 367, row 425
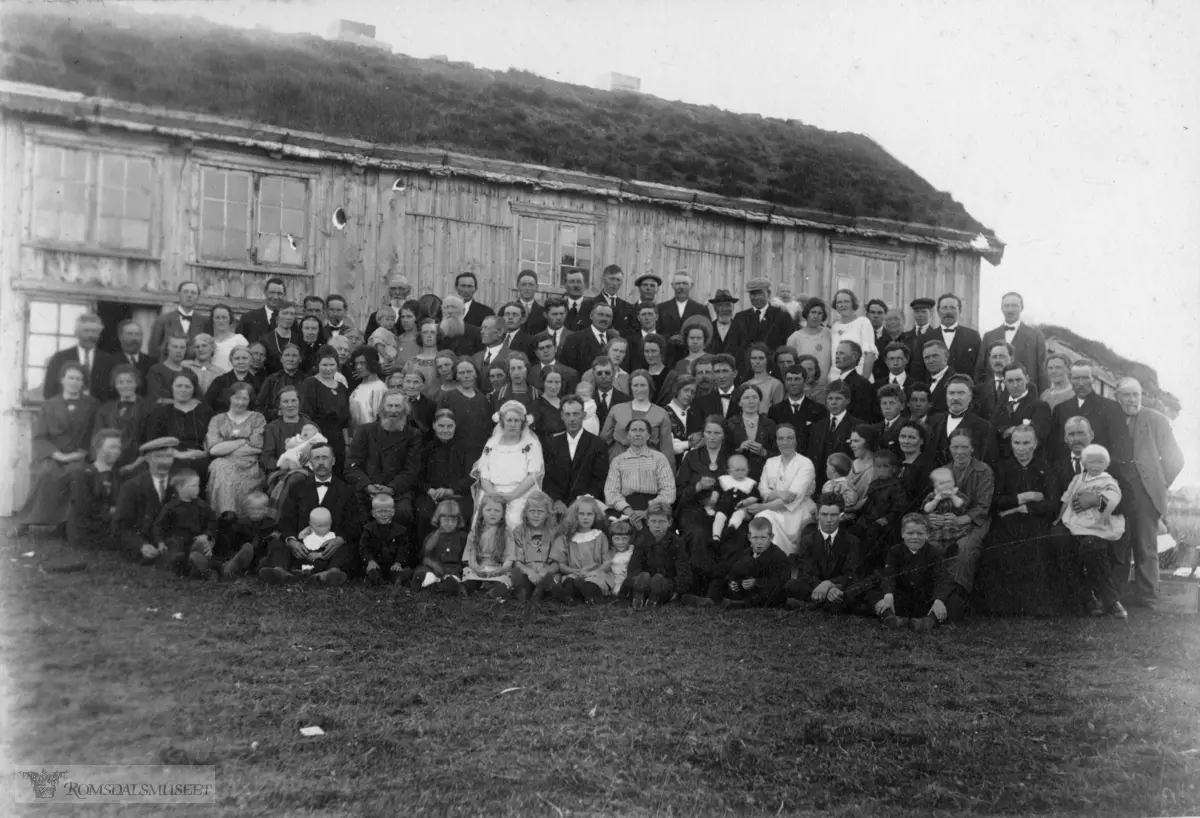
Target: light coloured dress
column 489, row 550
column 221, row 350
column 364, row 403
column 587, row 551
column 862, row 333
column 820, row 346
column 619, row 417
column 232, row 477
column 799, row 477
column 505, row 466
column 205, row 374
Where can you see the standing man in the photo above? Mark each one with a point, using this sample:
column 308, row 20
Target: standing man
column 1109, row 428
column 183, row 320
column 535, row 316
column 962, row 342
column 891, row 332
column 398, row 291
column 1022, row 407
column 1157, row 461
column 256, row 323
column 647, row 316
column 672, row 314
column 579, row 309
column 846, row 356
column 918, row 335
column 556, row 322
column 584, row 346
column 895, row 357
column 546, row 351
column 466, row 284
column 458, row 336
column 493, row 351
column 938, row 374
column 613, row 279
column 760, row 323
column 335, row 317
column 97, row 364
column 648, row 284
column 959, row 420
column 877, row 309
column 314, row 306
column 606, row 395
column 990, row 391
column 723, row 399
column 796, row 408
column 516, row 339
column 722, row 335
column 129, row 334
column 576, row 460
column 1028, row 344
column 832, row 433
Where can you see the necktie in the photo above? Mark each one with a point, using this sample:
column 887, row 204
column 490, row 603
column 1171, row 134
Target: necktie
column 185, row 321
column 133, row 359
column 829, row 545
column 1075, row 464
column 795, row 407
column 487, row 357
column 271, row 319
column 999, row 389
column 322, row 488
column 159, row 488
column 604, row 401
column 895, row 380
column 572, row 313
column 85, row 356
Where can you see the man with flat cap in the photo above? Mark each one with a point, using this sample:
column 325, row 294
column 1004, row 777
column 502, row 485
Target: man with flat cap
column 398, row 291
column 722, row 335
column 647, row 285
column 761, row 323
column 917, row 336
column 141, row 497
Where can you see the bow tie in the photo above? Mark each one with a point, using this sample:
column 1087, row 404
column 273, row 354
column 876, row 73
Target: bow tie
column 324, row 482
column 958, row 417
column 1008, row 328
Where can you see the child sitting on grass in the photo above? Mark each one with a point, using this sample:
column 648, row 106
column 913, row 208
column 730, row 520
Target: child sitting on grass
column 944, row 504
column 659, row 566
column 1094, row 528
column 621, row 534
column 384, row 543
column 915, row 581
column 760, row 578
column 536, row 550
column 735, row 490
column 243, row 538
column 881, row 512
column 442, row 552
column 585, row 559
column 186, row 528
column 490, row 551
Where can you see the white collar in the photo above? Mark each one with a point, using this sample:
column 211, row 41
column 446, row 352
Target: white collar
column 901, row 378
column 836, row 419
column 830, row 536
column 940, row 375
column 795, row 401
column 495, row 347
column 187, row 315
column 1015, row 400
column 1013, row 327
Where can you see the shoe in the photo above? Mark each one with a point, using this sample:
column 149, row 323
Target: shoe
column 332, row 578
column 639, row 599
column 892, row 621
column 522, row 595
column 923, row 624
column 794, row 604
column 197, row 565
column 1095, row 607
column 373, row 576
column 689, row 600
column 732, row 604
column 276, row 576
column 700, row 601
column 461, row 590
column 1117, row 611
column 240, row 563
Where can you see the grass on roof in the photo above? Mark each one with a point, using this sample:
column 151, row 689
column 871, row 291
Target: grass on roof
column 308, row 83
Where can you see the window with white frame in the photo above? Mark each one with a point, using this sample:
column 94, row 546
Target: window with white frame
column 867, row 276
column 253, row 218
column 51, row 328
column 92, row 197
column 551, row 246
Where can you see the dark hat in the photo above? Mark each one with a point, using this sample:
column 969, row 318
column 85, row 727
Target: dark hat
column 921, row 304
column 758, row 284
column 723, row 297
column 159, row 443
column 637, row 282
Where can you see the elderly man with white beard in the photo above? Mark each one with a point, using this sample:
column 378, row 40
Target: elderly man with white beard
column 458, row 336
column 385, row 458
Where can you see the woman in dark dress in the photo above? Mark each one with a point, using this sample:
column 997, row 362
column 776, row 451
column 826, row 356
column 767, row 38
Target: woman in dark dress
column 284, row 333
column 654, row 350
column 291, row 374
column 159, row 377
column 472, row 409
column 309, row 343
column 94, row 495
column 445, row 472
column 287, row 423
column 697, row 477
column 752, row 433
column 915, row 464
column 184, row 418
column 326, row 400
column 126, row 413
column 1023, row 570
column 686, row 422
column 60, row 439
column 547, row 410
column 217, row 396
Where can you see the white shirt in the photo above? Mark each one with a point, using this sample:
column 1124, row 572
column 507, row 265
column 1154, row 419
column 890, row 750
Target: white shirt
column 829, row 538
column 491, row 352
column 836, row 374
column 573, row 442
column 186, row 316
column 1014, row 401
column 160, row 486
column 1010, row 331
column 601, row 337
column 576, row 304
column 900, row 379
column 85, row 357
column 605, row 398
column 935, row 379
column 681, row 306
column 528, row 305
column 726, row 397
column 315, row 541
column 952, row 423
column 836, row 420
column 796, row 404
column 1080, row 401
column 762, row 314
column 322, row 488
column 948, row 334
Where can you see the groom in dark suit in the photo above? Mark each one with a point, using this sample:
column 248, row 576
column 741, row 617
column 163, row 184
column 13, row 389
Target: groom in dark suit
column 576, row 460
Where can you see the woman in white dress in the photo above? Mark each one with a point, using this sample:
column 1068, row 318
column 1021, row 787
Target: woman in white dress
column 786, row 486
column 850, row 326
column 511, row 464
column 813, row 338
column 366, row 397
column 225, row 340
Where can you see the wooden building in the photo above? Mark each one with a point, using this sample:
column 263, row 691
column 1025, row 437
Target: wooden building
column 109, row 206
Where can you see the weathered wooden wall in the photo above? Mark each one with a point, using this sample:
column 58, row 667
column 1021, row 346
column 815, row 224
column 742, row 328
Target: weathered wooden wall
column 427, row 227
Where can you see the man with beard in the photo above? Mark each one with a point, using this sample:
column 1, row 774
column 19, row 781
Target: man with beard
column 129, row 334
column 385, row 458
column 584, row 346
column 702, row 371
column 723, row 337
column 458, row 336
column 672, row 314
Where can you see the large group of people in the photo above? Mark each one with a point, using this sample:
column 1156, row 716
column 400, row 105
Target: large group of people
column 794, row 453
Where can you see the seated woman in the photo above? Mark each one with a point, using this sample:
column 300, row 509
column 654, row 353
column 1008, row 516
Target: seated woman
column 326, row 401
column 699, row 470
column 617, row 350
column 642, row 406
column 288, row 423
column 511, row 464
column 547, row 417
column 234, row 442
column 915, row 464
column 364, row 400
column 445, row 473
column 864, row 441
column 786, row 486
column 60, row 437
column 770, row 387
column 518, row 387
column 185, row 419
column 267, row 401
column 686, row 422
column 200, row 360
column 654, row 350
column 126, row 413
column 160, row 376
column 1023, row 571
column 471, row 407
column 91, row 520
column 638, row 476
column 240, row 359
column 752, row 433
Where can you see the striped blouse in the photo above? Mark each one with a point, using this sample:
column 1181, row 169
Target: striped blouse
column 633, row 473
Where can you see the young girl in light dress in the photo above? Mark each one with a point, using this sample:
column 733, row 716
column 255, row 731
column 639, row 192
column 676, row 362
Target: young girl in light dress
column 585, row 568
column 490, row 551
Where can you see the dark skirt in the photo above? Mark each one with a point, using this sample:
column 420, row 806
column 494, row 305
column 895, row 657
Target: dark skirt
column 1026, row 570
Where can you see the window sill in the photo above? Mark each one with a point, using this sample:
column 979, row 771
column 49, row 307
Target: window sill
column 247, row 267
column 91, row 250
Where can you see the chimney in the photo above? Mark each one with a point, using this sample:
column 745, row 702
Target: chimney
column 612, row 81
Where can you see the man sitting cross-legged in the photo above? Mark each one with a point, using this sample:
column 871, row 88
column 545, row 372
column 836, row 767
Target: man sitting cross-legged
column 287, row 557
column 827, row 563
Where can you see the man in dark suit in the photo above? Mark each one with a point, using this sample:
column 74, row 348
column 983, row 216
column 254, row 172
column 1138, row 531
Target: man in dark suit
column 797, row 409
column 962, row 342
column 466, row 285
column 958, row 417
column 129, row 336
column 584, row 346
column 256, row 323
column 1028, row 343
column 576, row 460
column 892, row 333
column 398, row 291
column 579, row 309
column 494, row 350
column 556, row 323
column 895, row 357
column 647, row 317
column 335, row 317
column 605, row 394
column 1157, row 461
column 336, row 560
column 610, row 294
column 832, row 434
column 97, row 364
column 762, row 322
column 723, row 399
column 535, row 314
column 420, row 408
column 672, row 314
column 846, row 356
column 917, row 336
column 385, row 457
column 990, row 391
column 546, row 363
column 938, row 373
column 1021, row 407
column 1109, row 428
column 141, row 497
column 516, row 339
column 891, row 401
column 828, row 562
column 723, row 337
column 182, row 319
column 458, row 336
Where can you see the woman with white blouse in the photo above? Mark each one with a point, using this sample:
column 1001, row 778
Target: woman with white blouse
column 786, row 486
column 849, row 326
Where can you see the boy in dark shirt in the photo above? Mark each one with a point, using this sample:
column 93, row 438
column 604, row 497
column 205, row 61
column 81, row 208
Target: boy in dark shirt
column 659, row 566
column 758, row 580
column 242, row 538
column 915, row 582
column 885, row 505
column 384, row 544
column 186, row 527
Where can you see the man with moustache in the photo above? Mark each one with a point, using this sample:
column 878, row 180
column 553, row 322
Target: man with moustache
column 723, row 337
column 938, row 374
column 1027, row 343
column 672, row 314
column 1109, row 427
column 761, row 323
column 584, row 346
column 917, row 336
column 1021, row 407
column 579, row 309
column 385, row 457
column 398, row 291
column 962, row 342
column 958, row 417
column 990, row 391
column 458, row 336
column 129, row 335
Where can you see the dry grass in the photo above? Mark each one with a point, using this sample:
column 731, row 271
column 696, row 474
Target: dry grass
column 649, row 713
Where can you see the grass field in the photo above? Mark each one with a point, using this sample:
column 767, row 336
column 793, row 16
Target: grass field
column 663, row 712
